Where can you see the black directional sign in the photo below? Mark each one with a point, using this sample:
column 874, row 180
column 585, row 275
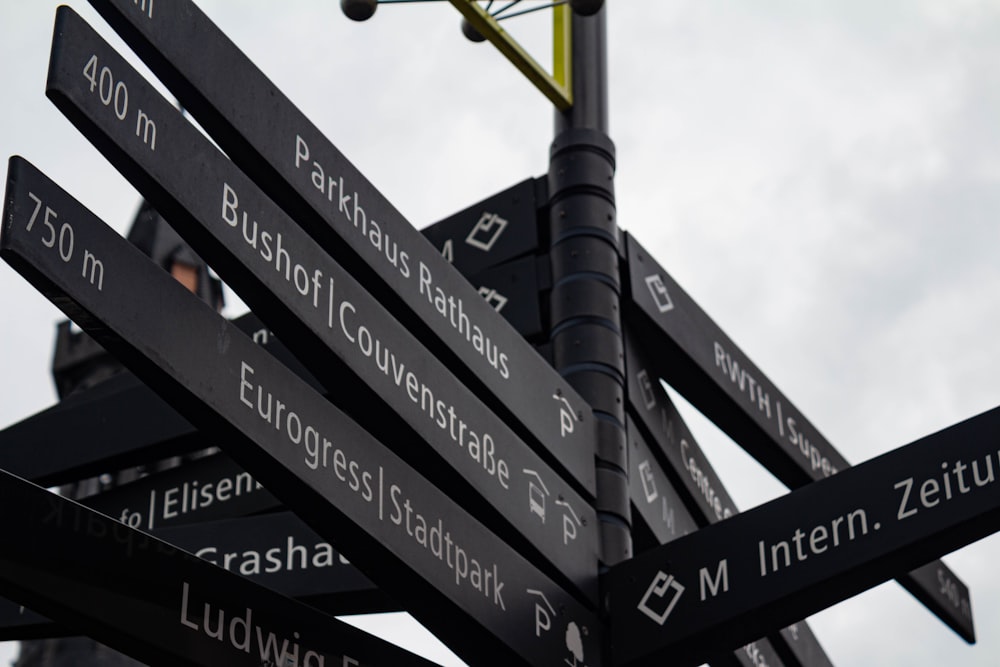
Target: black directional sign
column 494, row 231
column 307, row 176
column 324, row 314
column 92, row 573
column 279, row 551
column 18, row 622
column 513, row 288
column 707, row 498
column 653, row 408
column 653, row 494
column 698, row 359
column 814, row 547
column 701, row 362
column 662, row 510
column 276, row 550
column 481, row 597
column 113, row 425
column 208, row 488
column 500, row 259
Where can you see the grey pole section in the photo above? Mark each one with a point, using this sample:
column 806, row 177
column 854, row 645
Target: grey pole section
column 586, row 326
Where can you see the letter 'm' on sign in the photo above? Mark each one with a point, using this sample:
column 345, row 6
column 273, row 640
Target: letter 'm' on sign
column 721, row 576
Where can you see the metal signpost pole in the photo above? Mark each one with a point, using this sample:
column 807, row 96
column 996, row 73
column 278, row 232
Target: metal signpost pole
column 585, row 316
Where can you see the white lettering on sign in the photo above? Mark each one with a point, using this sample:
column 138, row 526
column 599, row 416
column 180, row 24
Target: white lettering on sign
column 144, row 6
column 742, row 379
column 704, row 484
column 310, row 283
column 393, row 505
column 114, row 95
column 951, row 590
column 189, row 496
column 753, row 652
column 241, row 631
column 448, row 306
column 813, row 542
column 287, row 557
column 721, row 579
column 480, row 446
column 271, row 247
column 816, row 459
column 932, row 492
column 432, row 535
column 747, row 384
column 452, row 309
column 668, row 516
column 60, row 238
column 448, row 251
column 349, row 206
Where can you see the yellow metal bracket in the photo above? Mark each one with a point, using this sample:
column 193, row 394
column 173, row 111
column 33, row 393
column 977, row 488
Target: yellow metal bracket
column 556, row 86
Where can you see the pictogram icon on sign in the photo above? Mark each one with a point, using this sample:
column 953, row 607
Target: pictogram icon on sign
column 570, row 522
column 537, row 493
column 544, row 613
column 659, row 590
column 646, row 387
column 567, row 417
column 659, row 292
column 648, row 483
column 493, row 297
column 486, row 232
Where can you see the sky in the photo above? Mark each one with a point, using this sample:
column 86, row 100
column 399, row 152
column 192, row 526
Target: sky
column 823, row 178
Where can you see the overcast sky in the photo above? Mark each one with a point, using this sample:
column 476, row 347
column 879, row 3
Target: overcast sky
column 823, row 178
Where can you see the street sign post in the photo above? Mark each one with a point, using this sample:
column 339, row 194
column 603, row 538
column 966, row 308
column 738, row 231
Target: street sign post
column 305, row 174
column 818, row 545
column 482, row 598
column 699, row 360
column 324, row 314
